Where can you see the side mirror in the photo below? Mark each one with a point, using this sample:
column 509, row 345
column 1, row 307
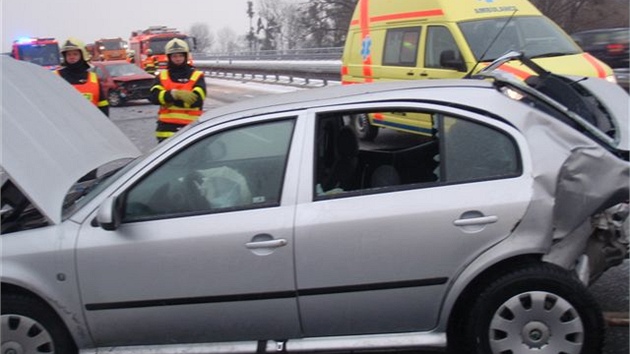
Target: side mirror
column 109, row 214
column 450, row 61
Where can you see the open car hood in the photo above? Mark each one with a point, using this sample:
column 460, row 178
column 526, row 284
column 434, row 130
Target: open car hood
column 52, row 135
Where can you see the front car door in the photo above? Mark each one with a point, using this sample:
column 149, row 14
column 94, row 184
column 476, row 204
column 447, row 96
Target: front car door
column 377, row 246
column 204, row 252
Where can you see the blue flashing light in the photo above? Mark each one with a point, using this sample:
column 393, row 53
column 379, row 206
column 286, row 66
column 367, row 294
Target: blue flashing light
column 24, row 40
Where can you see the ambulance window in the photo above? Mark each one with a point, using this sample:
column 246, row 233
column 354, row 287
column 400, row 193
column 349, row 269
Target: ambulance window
column 440, row 41
column 401, row 46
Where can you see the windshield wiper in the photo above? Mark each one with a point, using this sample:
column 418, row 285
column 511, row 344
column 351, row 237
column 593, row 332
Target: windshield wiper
column 549, row 55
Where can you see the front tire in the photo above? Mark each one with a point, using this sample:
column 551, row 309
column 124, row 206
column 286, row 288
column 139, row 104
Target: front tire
column 28, row 326
column 114, row 98
column 540, row 309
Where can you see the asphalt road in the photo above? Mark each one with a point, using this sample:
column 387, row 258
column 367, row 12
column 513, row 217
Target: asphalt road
column 137, row 121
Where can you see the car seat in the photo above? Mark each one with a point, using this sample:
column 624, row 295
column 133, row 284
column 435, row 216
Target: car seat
column 344, row 169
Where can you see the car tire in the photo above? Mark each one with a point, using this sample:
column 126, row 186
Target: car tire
column 114, row 98
column 29, row 326
column 537, row 309
column 362, row 127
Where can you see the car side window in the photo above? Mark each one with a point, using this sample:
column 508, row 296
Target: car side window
column 440, row 46
column 401, row 46
column 435, row 149
column 238, row 168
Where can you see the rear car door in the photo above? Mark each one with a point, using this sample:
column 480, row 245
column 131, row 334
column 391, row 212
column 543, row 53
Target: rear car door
column 204, row 252
column 376, row 250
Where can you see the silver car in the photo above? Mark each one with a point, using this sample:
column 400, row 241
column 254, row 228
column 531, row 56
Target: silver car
column 267, row 226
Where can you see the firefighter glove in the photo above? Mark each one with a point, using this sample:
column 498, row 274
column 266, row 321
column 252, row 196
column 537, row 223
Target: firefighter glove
column 187, row 97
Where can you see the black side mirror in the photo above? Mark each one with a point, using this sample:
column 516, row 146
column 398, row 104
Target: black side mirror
column 450, row 61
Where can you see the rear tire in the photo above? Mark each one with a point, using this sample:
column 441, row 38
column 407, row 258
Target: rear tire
column 540, row 309
column 28, row 326
column 360, row 123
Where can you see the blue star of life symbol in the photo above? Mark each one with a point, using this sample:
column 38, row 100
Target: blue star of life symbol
column 488, row 1
column 366, row 47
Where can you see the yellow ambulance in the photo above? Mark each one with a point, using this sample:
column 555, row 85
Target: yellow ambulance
column 439, row 39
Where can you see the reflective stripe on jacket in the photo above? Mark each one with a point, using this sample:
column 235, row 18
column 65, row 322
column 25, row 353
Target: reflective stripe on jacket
column 175, row 114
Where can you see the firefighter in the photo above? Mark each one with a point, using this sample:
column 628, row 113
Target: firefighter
column 179, row 90
column 150, row 64
column 76, row 70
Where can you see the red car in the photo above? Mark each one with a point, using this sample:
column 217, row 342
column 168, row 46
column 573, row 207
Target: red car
column 123, row 81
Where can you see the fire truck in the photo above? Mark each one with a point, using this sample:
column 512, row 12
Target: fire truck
column 41, row 51
column 148, row 45
column 108, row 49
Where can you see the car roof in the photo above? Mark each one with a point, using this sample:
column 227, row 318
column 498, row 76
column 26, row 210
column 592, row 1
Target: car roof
column 52, row 135
column 336, row 95
column 476, row 93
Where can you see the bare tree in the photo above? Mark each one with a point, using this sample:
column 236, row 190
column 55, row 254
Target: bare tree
column 327, row 21
column 203, row 37
column 575, row 15
column 229, row 41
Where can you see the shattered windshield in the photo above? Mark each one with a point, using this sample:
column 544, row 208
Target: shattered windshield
column 536, row 36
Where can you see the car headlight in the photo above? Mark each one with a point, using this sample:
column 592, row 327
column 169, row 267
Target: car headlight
column 611, row 78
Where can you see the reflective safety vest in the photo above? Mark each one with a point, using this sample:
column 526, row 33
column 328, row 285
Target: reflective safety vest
column 90, row 89
column 175, row 114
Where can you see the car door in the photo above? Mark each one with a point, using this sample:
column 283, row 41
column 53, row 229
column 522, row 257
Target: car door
column 378, row 254
column 204, row 250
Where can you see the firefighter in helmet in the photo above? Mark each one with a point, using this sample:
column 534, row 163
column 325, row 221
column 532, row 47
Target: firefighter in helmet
column 179, row 90
column 76, row 70
column 150, row 64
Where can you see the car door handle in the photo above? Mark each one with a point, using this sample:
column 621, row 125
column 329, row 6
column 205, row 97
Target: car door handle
column 482, row 220
column 266, row 244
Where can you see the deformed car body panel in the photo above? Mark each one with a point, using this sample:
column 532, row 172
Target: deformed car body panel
column 37, row 124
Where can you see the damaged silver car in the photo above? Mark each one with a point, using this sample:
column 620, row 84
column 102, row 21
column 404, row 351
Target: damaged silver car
column 267, row 226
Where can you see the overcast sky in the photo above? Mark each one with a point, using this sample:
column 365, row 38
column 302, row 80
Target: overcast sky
column 90, row 20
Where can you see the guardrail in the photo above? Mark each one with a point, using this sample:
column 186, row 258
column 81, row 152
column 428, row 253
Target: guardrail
column 273, row 71
column 331, row 53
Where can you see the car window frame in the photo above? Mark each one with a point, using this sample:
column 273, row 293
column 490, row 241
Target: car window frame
column 495, row 123
column 198, row 139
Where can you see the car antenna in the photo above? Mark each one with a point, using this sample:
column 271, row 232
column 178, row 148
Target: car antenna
column 483, row 56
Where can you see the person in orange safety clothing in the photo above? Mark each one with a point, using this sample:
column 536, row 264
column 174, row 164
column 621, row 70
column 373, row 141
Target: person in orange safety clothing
column 179, row 90
column 76, row 71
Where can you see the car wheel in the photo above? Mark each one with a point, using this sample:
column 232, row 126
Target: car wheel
column 114, row 98
column 28, row 326
column 538, row 309
column 362, row 127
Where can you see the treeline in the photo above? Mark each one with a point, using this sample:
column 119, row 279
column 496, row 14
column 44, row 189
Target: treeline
column 285, row 24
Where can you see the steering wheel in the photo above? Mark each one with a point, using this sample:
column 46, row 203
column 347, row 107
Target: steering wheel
column 193, row 196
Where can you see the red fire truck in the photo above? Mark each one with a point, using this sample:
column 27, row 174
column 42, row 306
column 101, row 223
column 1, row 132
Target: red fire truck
column 154, row 39
column 108, row 49
column 41, row 51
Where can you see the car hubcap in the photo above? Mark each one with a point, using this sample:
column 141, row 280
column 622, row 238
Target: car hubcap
column 22, row 335
column 536, row 322
column 361, row 122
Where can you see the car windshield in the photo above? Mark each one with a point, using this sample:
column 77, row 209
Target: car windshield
column 536, row 36
column 41, row 54
column 124, row 69
column 113, row 45
column 601, row 37
column 157, row 44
